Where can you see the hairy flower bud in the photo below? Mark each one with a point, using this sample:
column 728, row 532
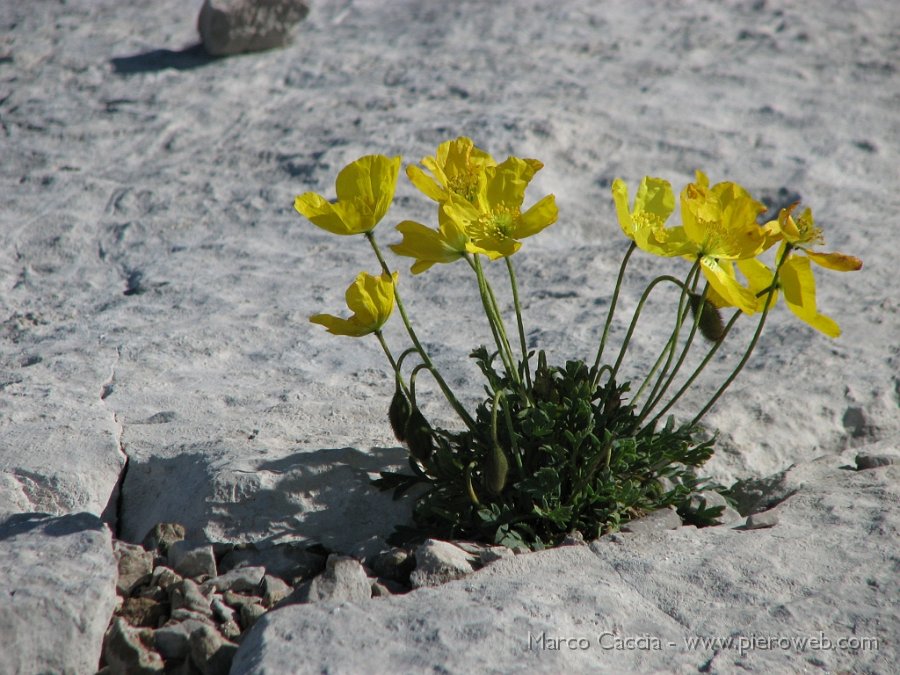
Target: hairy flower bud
column 419, row 436
column 398, row 414
column 711, row 325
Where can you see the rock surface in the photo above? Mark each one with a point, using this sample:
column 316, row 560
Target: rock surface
column 633, row 606
column 58, row 590
column 156, row 281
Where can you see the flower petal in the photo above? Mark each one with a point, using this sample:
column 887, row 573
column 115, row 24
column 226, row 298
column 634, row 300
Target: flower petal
column 840, row 262
column 535, row 219
column 722, row 279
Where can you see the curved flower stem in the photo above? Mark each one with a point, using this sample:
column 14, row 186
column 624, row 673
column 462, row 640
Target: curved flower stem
column 390, row 357
column 609, row 314
column 662, row 382
column 521, row 325
column 426, row 360
column 697, row 370
column 637, row 314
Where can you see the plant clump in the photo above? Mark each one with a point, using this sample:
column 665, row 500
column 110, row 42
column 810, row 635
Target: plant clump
column 553, row 450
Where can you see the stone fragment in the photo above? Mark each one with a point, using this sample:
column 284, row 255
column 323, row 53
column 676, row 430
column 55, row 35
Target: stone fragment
column 126, row 652
column 57, row 592
column 870, row 461
column 162, row 535
column 758, row 521
column 188, row 595
column 164, row 577
column 396, row 564
column 191, row 560
column 250, row 613
column 574, row 538
column 343, row 579
column 494, row 553
column 222, row 612
column 287, row 561
column 382, row 588
column 230, row 630
column 173, row 639
column 239, row 579
column 274, row 590
column 135, row 566
column 236, row 26
column 143, row 612
column 438, row 562
column 657, row 521
column 210, row 652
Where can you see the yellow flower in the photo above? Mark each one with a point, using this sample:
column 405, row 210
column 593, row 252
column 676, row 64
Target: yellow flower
column 645, row 223
column 796, row 277
column 445, row 245
column 365, row 189
column 371, row 299
column 720, row 225
column 493, row 219
column 457, row 168
column 803, row 233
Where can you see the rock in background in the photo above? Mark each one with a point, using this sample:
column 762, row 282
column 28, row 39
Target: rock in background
column 236, row 26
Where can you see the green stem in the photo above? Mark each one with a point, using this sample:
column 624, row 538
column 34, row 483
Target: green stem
column 637, row 314
column 609, row 314
column 495, row 321
column 770, row 292
column 390, row 357
column 697, row 370
column 669, row 350
column 521, row 325
column 448, row 394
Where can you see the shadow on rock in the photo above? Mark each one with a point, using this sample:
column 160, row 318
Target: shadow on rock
column 321, row 496
column 155, row 60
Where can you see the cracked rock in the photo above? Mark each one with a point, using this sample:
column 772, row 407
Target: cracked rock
column 187, row 595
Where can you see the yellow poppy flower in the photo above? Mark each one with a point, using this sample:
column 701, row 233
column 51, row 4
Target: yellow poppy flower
column 365, row 189
column 456, row 168
column 720, row 224
column 645, row 223
column 493, row 220
column 371, row 299
column 803, row 233
column 445, row 245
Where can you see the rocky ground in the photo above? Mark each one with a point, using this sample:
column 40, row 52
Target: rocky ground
column 157, row 365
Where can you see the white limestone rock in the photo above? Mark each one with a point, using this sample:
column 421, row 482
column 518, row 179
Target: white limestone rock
column 58, row 584
column 825, row 571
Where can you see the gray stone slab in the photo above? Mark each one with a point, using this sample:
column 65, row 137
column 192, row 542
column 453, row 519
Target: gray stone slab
column 58, row 584
column 825, row 573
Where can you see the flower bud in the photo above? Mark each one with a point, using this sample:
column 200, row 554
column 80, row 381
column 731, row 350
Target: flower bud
column 398, row 414
column 419, row 437
column 495, row 471
column 710, row 323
